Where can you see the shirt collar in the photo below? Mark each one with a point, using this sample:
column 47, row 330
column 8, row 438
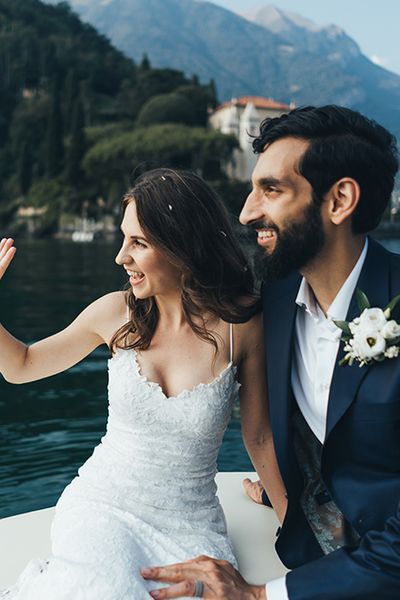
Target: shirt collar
column 340, row 305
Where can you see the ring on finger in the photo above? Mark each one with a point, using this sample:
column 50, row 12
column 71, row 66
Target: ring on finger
column 198, row 589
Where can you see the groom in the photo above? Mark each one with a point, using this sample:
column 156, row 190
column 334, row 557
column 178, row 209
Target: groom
column 323, row 179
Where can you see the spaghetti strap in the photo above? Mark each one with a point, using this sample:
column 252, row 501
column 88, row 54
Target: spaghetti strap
column 230, row 342
column 128, row 313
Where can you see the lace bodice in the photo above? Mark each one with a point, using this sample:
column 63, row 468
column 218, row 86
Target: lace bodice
column 163, row 439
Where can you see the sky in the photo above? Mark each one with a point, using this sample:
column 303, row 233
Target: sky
column 373, row 24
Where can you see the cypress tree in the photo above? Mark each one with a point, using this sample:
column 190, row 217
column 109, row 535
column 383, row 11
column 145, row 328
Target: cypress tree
column 213, row 93
column 76, row 148
column 24, row 168
column 54, row 140
column 145, row 64
column 48, row 62
column 71, row 92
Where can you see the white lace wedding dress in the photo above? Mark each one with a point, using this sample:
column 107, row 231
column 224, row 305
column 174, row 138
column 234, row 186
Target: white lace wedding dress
column 145, row 497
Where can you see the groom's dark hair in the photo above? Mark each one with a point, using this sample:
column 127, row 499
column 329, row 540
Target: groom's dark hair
column 343, row 143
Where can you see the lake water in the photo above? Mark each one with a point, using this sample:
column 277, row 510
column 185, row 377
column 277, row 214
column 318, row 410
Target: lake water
column 49, row 428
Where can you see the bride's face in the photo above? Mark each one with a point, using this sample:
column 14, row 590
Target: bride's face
column 288, row 222
column 150, row 272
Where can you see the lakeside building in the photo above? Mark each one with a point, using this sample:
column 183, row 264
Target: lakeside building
column 242, row 117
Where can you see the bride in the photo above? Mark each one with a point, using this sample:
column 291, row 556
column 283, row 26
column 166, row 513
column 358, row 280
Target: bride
column 184, row 337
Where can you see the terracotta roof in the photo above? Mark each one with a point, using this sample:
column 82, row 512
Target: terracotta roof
column 258, row 101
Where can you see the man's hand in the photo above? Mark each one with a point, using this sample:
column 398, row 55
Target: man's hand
column 253, row 490
column 220, row 579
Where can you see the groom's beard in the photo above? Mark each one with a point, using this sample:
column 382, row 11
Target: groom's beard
column 296, row 245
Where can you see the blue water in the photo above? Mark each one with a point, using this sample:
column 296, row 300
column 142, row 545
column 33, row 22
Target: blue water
column 49, row 427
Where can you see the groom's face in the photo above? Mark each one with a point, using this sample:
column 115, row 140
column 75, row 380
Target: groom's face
column 282, row 212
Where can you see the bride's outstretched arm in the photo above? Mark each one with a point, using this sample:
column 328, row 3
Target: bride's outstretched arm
column 20, row 363
column 256, row 428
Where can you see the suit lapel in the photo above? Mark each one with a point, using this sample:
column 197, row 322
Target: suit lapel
column 279, row 319
column 374, row 281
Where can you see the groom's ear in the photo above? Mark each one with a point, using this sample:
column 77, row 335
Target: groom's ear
column 344, row 197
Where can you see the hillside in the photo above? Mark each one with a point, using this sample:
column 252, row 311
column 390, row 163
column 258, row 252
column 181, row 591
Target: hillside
column 268, row 53
column 78, row 118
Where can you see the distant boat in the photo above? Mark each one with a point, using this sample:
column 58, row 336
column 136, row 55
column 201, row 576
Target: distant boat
column 87, row 232
column 83, row 236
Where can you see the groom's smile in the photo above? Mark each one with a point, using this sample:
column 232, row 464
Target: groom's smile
column 266, row 238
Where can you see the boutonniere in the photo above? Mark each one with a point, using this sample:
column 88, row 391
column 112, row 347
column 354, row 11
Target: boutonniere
column 374, row 335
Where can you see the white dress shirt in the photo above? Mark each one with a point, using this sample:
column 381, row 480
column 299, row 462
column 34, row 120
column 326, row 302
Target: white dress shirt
column 316, row 344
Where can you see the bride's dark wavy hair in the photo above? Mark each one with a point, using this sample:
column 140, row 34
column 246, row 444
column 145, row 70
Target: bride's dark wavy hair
column 183, row 217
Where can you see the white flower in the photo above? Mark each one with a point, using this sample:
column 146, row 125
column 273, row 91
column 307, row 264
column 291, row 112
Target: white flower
column 372, row 336
column 353, row 326
column 372, row 319
column 392, row 352
column 368, row 344
column 391, row 330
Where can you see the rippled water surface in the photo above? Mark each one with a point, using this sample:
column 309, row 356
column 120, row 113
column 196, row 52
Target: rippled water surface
column 49, row 427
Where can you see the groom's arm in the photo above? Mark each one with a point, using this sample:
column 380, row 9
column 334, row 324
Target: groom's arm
column 370, row 571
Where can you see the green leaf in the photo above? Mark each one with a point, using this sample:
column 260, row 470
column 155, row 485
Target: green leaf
column 344, row 326
column 391, row 306
column 362, row 300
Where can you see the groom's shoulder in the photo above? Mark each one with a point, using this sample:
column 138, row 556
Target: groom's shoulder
column 382, row 253
column 280, row 289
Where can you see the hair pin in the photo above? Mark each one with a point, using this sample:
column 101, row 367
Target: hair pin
column 163, row 178
column 223, row 233
column 170, row 207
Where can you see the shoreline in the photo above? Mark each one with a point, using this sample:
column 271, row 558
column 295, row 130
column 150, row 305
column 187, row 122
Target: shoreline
column 385, row 230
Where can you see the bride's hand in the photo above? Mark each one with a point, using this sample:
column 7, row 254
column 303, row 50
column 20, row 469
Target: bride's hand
column 7, row 252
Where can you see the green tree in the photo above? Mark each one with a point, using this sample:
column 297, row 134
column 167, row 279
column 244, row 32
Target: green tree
column 145, row 64
column 156, row 81
column 24, row 169
column 212, row 92
column 77, row 146
column 200, row 101
column 167, row 108
column 172, row 145
column 29, row 120
column 71, row 92
column 54, row 138
column 48, row 61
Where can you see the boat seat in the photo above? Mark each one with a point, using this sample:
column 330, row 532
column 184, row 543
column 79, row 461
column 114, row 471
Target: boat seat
column 252, row 528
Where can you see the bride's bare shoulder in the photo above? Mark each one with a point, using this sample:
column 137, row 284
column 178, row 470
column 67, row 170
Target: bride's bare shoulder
column 111, row 304
column 110, row 313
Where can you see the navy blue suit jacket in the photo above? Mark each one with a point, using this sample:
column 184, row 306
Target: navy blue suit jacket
column 361, row 454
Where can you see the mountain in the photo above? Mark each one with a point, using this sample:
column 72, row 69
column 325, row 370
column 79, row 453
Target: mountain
column 268, row 52
column 303, row 34
column 359, row 83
